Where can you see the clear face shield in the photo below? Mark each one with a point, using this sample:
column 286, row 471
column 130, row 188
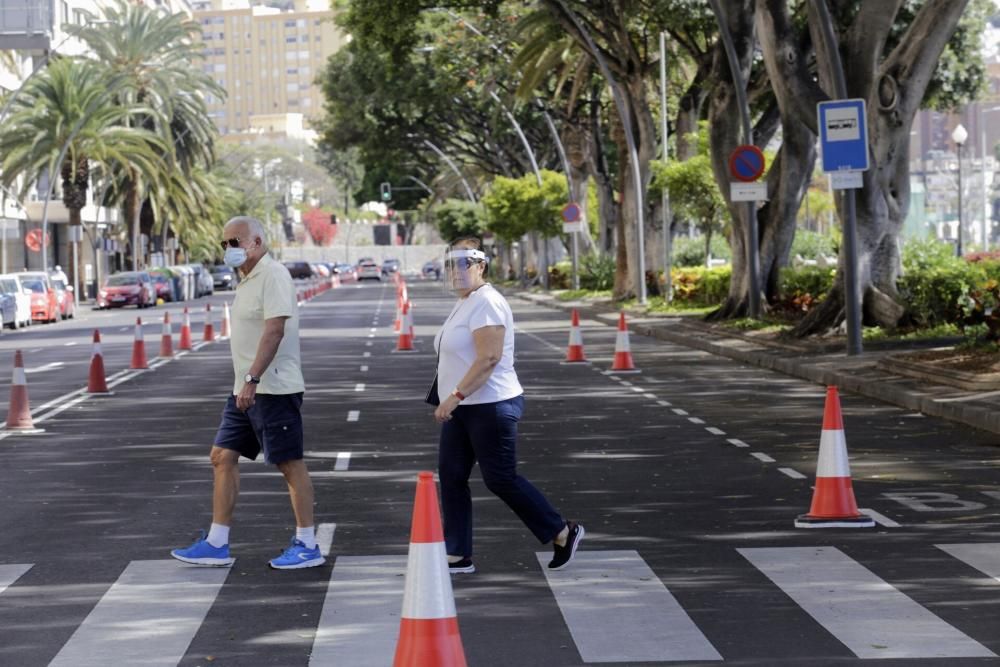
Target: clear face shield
column 463, row 268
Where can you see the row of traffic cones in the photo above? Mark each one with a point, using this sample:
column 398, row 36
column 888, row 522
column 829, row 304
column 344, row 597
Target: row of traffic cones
column 307, row 292
column 139, row 360
column 622, row 363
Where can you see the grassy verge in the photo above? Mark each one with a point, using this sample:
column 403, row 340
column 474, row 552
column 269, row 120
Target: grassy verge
column 578, row 294
column 878, row 334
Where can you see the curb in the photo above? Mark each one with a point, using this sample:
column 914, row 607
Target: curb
column 871, row 382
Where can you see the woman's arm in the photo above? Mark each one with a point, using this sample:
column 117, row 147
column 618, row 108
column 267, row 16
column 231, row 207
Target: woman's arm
column 489, row 350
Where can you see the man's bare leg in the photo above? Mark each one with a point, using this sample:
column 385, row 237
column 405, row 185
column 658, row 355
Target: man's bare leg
column 226, row 474
column 300, row 490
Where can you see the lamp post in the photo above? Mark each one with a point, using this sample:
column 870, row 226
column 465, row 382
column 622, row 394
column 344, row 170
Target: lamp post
column 959, row 135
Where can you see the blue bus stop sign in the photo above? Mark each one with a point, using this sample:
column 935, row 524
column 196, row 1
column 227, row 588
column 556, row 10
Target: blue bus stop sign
column 843, row 135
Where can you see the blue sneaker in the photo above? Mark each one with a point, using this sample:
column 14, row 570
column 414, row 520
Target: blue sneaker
column 298, row 556
column 203, row 553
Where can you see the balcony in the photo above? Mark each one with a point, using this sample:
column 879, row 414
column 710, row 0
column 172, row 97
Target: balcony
column 26, row 24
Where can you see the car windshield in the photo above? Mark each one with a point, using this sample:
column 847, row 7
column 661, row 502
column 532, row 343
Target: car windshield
column 36, row 286
column 116, row 281
column 160, row 278
column 221, row 270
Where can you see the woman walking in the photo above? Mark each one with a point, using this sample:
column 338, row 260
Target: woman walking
column 480, row 403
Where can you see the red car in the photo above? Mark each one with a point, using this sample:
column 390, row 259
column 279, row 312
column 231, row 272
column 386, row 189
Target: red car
column 128, row 288
column 64, row 295
column 44, row 302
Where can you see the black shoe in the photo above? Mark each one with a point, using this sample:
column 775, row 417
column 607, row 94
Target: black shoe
column 561, row 556
column 464, row 566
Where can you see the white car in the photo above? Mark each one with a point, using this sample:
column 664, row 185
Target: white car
column 369, row 269
column 10, row 282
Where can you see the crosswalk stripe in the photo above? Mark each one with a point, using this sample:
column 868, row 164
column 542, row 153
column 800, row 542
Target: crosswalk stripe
column 617, row 610
column 868, row 615
column 359, row 624
column 353, row 415
column 343, row 461
column 984, row 556
column 324, row 537
column 11, row 573
column 148, row 617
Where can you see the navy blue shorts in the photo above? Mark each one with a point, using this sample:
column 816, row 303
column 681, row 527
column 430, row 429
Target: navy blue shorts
column 273, row 423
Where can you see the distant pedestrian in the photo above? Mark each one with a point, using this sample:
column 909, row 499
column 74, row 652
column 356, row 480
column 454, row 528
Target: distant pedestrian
column 264, row 408
column 480, row 404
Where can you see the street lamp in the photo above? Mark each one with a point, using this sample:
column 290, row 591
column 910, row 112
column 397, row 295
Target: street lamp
column 959, row 135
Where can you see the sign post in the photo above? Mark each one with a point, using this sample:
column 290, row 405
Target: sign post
column 746, row 165
column 573, row 225
column 843, row 135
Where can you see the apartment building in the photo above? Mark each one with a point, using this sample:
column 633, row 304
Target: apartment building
column 267, row 57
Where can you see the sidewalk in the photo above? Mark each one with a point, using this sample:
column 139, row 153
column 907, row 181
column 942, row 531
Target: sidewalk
column 816, row 363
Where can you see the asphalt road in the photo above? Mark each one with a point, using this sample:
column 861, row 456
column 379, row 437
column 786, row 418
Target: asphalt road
column 688, row 478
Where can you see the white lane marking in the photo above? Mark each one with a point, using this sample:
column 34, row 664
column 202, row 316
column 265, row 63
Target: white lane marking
column 62, row 408
column 371, row 335
column 624, row 383
column 124, row 329
column 678, row 411
column 695, row 420
column 353, row 415
column 761, row 456
column 70, row 344
column 125, row 378
column 651, row 626
column 368, row 344
column 11, row 573
column 879, row 518
column 792, row 472
column 737, row 443
column 638, row 390
column 42, row 369
column 159, row 362
column 715, row 431
column 359, row 624
column 870, row 616
column 373, row 330
column 665, row 404
column 613, row 377
column 324, row 537
column 366, row 355
column 148, row 616
column 359, row 386
column 984, row 556
column 364, row 369
column 343, row 461
column 651, row 397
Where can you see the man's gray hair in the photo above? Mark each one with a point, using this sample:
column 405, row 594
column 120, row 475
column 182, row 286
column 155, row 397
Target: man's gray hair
column 255, row 227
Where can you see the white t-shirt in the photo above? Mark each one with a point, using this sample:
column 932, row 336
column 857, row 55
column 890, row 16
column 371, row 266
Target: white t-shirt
column 456, row 349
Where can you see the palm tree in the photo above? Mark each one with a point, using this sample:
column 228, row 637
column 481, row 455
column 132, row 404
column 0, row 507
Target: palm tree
column 64, row 119
column 152, row 52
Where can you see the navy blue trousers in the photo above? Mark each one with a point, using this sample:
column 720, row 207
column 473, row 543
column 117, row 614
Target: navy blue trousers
column 487, row 433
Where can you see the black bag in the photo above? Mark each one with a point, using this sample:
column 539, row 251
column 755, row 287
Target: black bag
column 432, row 395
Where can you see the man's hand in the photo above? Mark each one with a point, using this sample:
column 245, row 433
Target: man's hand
column 443, row 412
column 245, row 399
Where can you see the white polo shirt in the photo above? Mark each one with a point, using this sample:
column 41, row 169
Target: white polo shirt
column 267, row 292
column 456, row 349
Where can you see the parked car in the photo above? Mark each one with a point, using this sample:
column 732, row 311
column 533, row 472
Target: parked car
column 346, row 271
column 432, row 269
column 11, row 284
column 390, row 265
column 368, row 269
column 8, row 306
column 202, row 280
column 127, row 288
column 299, row 270
column 65, row 297
column 163, row 284
column 223, row 277
column 44, row 302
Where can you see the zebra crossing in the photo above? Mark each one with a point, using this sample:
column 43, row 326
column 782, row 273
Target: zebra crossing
column 613, row 604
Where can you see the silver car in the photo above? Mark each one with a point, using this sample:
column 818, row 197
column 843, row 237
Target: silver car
column 369, row 269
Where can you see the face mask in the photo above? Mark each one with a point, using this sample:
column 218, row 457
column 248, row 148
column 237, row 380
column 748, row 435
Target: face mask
column 235, row 257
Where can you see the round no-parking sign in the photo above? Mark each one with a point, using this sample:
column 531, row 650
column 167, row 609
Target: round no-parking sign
column 746, row 163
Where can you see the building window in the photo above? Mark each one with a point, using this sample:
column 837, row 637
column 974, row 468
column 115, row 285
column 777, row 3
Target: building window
column 293, row 103
column 291, row 71
column 291, row 40
column 290, row 24
column 65, row 11
column 307, row 102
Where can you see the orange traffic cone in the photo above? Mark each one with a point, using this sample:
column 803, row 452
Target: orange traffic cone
column 224, row 333
column 623, row 352
column 833, row 504
column 209, row 329
column 167, row 338
column 574, row 353
column 428, row 629
column 185, row 342
column 19, row 413
column 138, row 348
column 405, row 341
column 97, row 383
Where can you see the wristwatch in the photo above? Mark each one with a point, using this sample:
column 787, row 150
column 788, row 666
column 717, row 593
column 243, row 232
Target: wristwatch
column 457, row 394
column 251, row 379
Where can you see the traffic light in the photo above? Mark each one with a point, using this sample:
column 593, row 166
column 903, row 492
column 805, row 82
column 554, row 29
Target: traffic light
column 386, row 192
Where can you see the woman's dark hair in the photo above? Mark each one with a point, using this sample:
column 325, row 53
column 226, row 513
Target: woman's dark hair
column 478, row 246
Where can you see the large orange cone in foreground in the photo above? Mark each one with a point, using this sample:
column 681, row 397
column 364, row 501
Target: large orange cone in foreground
column 428, row 630
column 574, row 353
column 19, row 413
column 185, row 342
column 833, row 504
column 138, row 348
column 97, row 383
column 623, row 351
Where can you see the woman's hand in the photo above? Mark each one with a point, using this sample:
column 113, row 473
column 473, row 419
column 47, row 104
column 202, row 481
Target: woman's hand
column 443, row 412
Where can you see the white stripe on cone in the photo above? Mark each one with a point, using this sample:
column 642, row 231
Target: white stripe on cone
column 621, row 342
column 138, row 331
column 428, row 563
column 833, row 455
column 97, row 351
column 19, row 377
column 575, row 337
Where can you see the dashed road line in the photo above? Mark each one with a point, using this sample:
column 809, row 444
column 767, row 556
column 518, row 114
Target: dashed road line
column 792, row 472
column 366, row 355
column 880, row 519
column 715, row 431
column 737, row 442
column 651, row 397
column 678, row 411
column 359, row 386
column 343, row 461
column 665, row 404
column 695, row 420
column 761, row 456
column 353, row 415
column 364, row 369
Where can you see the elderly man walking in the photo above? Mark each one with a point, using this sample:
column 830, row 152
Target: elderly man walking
column 264, row 409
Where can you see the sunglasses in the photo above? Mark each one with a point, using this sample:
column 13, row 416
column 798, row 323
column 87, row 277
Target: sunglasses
column 462, row 263
column 231, row 243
